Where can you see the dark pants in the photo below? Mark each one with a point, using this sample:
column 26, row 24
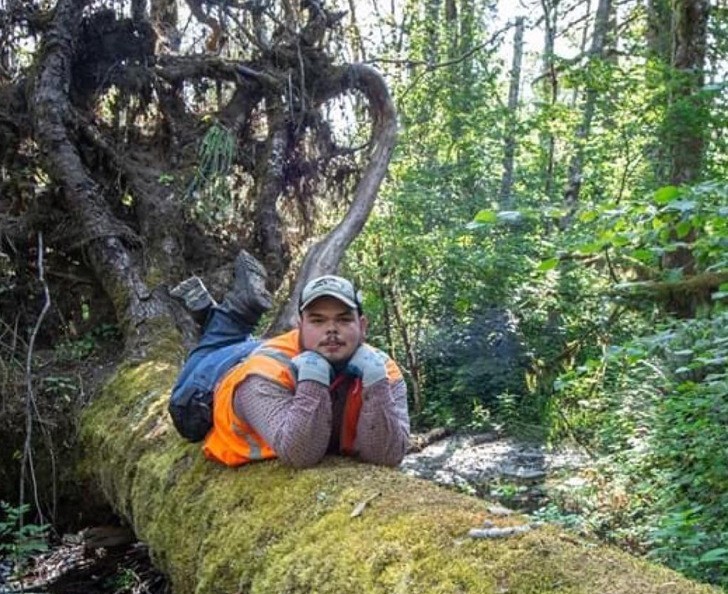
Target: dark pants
column 226, row 340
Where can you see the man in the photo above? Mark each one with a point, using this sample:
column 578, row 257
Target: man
column 315, row 390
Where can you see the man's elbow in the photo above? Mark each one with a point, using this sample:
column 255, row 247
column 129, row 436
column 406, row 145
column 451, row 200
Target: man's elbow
column 297, row 457
column 391, row 456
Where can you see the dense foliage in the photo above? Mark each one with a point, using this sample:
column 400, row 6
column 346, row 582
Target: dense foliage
column 617, row 299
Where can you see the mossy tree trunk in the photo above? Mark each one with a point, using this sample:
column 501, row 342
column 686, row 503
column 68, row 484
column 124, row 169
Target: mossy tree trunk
column 265, row 528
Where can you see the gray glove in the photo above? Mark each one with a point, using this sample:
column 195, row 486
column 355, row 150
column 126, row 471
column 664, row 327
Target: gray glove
column 369, row 364
column 312, row 366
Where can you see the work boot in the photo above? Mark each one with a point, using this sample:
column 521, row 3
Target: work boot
column 248, row 296
column 197, row 300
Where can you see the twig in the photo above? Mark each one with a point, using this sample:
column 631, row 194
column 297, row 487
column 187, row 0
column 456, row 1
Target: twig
column 504, row 532
column 431, row 67
column 361, row 506
column 27, row 461
column 612, row 273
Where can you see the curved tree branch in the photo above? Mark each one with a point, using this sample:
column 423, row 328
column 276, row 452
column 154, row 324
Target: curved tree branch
column 324, row 257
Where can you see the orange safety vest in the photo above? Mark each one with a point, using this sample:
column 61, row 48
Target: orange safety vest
column 232, row 441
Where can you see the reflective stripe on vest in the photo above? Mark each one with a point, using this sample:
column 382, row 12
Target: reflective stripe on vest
column 232, row 441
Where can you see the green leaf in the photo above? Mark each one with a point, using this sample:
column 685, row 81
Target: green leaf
column 666, row 194
column 509, row 216
column 642, row 254
column 714, row 555
column 683, row 228
column 590, row 248
column 682, row 205
column 620, row 240
column 549, row 264
column 486, row 216
column 555, row 213
column 588, row 216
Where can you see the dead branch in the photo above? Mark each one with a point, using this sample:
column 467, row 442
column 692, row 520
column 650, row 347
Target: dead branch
column 697, row 284
column 175, row 69
column 26, row 465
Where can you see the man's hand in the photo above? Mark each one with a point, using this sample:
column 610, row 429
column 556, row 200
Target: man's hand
column 368, row 364
column 312, row 366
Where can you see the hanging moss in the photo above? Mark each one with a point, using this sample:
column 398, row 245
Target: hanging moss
column 265, row 528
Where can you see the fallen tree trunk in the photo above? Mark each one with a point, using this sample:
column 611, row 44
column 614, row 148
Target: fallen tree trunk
column 267, row 528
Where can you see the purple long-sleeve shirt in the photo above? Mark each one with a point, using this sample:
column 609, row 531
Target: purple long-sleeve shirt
column 302, row 427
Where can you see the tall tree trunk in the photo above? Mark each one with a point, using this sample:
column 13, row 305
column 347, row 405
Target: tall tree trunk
column 576, row 164
column 687, row 105
column 432, row 27
column 683, row 132
column 468, row 28
column 582, row 46
column 549, row 90
column 509, row 152
column 452, row 28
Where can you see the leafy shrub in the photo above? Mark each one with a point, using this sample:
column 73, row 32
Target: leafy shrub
column 472, row 367
column 18, row 541
column 664, row 417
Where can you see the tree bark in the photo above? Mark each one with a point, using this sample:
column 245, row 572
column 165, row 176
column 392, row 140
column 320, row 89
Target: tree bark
column 550, row 90
column 266, row 528
column 509, row 151
column 112, row 247
column 324, row 257
column 576, row 165
column 432, row 27
column 682, row 47
column 268, row 226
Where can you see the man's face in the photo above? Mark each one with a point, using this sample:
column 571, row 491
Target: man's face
column 332, row 329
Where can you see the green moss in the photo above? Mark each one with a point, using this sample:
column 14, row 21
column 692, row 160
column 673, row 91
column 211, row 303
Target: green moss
column 265, row 528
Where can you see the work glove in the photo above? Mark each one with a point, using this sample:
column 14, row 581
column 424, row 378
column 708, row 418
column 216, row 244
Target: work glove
column 368, row 364
column 312, row 366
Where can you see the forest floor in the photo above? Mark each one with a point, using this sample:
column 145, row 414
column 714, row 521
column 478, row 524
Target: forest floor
column 522, row 475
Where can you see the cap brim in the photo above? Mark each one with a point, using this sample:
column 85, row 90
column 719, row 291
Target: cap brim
column 337, row 296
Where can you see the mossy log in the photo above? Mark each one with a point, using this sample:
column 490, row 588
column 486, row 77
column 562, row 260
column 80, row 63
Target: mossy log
column 265, row 528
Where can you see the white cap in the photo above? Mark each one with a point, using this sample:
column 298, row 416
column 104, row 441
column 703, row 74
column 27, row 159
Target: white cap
column 331, row 286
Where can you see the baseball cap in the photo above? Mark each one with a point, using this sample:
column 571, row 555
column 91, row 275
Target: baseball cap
column 331, row 286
